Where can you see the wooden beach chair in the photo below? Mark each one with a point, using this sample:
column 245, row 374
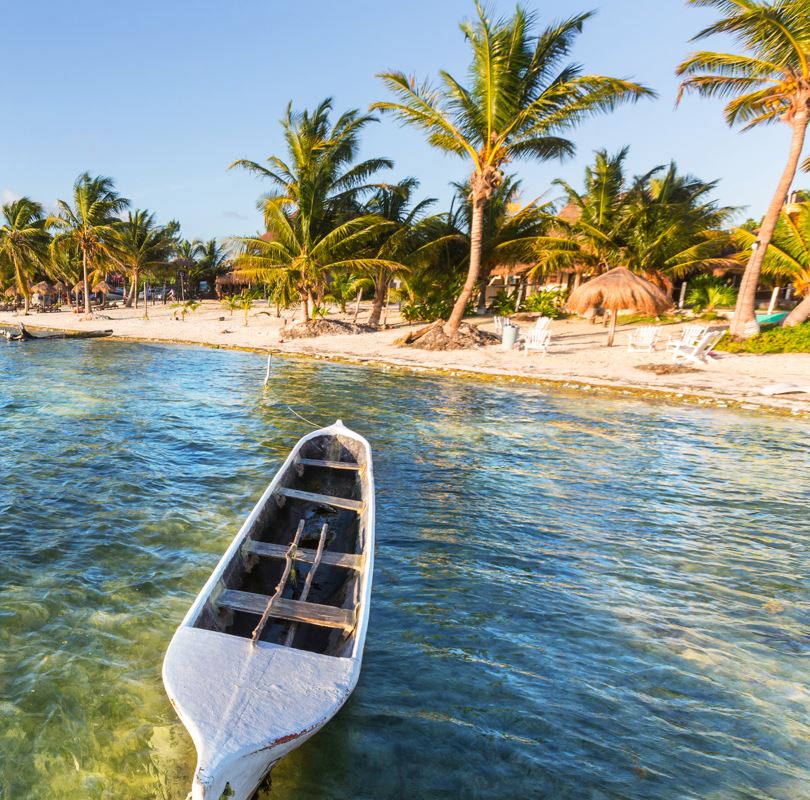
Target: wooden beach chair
column 643, row 339
column 689, row 336
column 537, row 339
column 700, row 352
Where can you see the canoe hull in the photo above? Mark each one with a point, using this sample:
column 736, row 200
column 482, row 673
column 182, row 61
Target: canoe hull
column 248, row 705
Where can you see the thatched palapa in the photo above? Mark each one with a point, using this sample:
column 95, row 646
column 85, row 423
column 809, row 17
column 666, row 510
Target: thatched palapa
column 102, row 286
column 43, row 287
column 618, row 290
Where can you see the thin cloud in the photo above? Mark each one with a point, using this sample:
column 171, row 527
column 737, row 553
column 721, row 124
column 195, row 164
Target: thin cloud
column 233, row 215
column 9, row 196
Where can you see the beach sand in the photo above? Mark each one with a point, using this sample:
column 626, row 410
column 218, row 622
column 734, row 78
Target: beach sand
column 577, row 357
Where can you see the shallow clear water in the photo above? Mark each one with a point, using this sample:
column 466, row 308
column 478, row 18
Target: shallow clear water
column 575, row 597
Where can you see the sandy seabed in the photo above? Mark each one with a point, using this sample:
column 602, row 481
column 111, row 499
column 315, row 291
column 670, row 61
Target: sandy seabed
column 577, row 357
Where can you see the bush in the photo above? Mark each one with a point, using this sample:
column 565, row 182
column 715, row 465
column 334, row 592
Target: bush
column 548, row 303
column 707, row 293
column 503, row 303
column 775, row 340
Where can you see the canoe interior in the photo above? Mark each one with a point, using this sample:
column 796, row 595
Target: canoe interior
column 276, row 523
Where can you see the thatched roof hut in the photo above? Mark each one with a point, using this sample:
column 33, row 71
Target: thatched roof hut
column 230, row 279
column 618, row 290
column 102, row 286
column 43, row 287
column 79, row 287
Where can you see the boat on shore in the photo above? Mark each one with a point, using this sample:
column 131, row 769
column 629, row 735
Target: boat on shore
column 22, row 334
column 272, row 646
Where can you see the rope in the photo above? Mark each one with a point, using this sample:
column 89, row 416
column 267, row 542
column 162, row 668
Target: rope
column 267, row 376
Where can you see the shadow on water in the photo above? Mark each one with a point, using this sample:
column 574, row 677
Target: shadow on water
column 574, row 597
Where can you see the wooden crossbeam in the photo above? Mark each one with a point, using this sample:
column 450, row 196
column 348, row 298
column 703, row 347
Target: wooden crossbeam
column 322, row 499
column 316, row 462
column 305, row 554
column 292, row 610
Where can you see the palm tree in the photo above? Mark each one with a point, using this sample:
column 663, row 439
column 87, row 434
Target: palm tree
column 23, row 243
column 520, row 101
column 401, row 242
column 767, row 81
column 89, row 223
column 511, row 231
column 314, row 221
column 142, row 247
column 788, row 257
column 659, row 224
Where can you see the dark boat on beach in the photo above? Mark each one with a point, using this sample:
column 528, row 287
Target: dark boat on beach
column 24, row 335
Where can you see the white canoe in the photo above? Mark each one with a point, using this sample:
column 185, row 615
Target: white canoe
column 272, row 646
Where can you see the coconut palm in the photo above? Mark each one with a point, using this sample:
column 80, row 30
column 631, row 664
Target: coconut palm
column 143, row 247
column 520, row 100
column 766, row 81
column 315, row 225
column 788, row 257
column 511, row 230
column 23, row 243
column 89, row 223
column 658, row 224
column 402, row 241
column 212, row 259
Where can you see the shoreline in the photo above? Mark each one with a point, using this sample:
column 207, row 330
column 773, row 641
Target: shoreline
column 581, row 363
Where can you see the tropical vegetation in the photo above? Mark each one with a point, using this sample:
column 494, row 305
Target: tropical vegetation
column 766, row 81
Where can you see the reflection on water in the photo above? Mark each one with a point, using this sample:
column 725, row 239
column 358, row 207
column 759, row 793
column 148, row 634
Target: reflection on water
column 574, row 597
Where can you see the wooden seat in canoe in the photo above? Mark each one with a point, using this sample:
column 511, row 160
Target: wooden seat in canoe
column 290, row 610
column 320, row 499
column 268, row 550
column 317, row 462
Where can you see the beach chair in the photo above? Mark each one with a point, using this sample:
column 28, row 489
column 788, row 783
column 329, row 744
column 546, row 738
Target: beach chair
column 499, row 323
column 643, row 339
column 689, row 336
column 537, row 339
column 700, row 352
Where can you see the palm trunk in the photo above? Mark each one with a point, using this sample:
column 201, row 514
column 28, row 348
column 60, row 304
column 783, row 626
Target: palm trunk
column 305, row 304
column 380, row 293
column 357, row 305
column 614, row 315
column 744, row 324
column 85, row 284
column 476, row 237
column 799, row 314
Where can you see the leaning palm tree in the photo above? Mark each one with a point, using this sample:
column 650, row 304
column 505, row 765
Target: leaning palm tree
column 23, row 243
column 520, row 100
column 767, row 81
column 788, row 257
column 89, row 223
column 314, row 218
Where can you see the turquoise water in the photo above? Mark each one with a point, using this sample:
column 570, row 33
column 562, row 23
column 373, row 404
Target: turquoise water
column 575, row 597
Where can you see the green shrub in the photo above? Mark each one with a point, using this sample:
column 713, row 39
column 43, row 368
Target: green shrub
column 548, row 303
column 775, row 340
column 503, row 303
column 707, row 293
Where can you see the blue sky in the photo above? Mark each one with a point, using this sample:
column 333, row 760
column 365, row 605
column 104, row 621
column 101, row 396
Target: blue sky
column 162, row 96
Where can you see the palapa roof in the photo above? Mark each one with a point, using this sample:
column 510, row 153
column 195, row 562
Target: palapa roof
column 509, row 270
column 619, row 290
column 79, row 287
column 102, row 286
column 43, row 287
column 59, row 286
column 11, row 291
column 230, row 279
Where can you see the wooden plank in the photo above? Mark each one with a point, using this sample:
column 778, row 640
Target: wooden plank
column 292, row 610
column 323, row 499
column 316, row 462
column 347, row 560
column 288, row 559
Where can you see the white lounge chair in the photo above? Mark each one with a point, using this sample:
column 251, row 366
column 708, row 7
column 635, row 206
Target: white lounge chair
column 689, row 336
column 499, row 323
column 643, row 339
column 700, row 352
column 537, row 339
